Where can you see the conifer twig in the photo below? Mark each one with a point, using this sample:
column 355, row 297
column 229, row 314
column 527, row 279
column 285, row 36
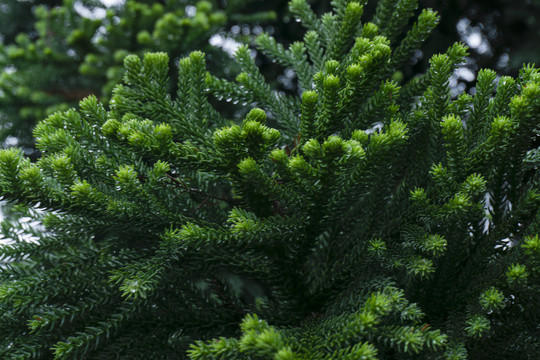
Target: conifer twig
column 179, row 182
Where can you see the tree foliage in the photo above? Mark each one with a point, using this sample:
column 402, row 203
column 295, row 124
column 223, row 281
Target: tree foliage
column 69, row 54
column 358, row 219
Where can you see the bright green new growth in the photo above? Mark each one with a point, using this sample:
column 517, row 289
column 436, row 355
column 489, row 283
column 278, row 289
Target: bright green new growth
column 358, row 220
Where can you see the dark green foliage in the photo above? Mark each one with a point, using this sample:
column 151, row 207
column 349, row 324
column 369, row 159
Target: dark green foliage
column 14, row 17
column 355, row 220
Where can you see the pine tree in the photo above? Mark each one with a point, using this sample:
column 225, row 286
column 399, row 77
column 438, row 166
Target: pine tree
column 66, row 56
column 361, row 219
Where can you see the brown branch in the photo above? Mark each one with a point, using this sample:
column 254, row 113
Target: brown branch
column 202, row 204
